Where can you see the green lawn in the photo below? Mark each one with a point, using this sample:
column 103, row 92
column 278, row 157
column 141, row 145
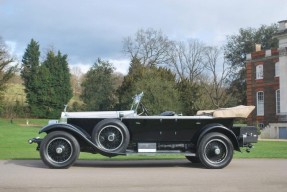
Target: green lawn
column 14, row 145
column 14, row 137
column 265, row 149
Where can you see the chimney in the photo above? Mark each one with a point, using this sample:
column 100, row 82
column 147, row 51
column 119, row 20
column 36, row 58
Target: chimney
column 257, row 47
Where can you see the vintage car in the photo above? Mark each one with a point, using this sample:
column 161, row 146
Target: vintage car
column 208, row 137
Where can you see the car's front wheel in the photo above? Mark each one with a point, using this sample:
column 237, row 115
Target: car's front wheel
column 59, row 150
column 215, row 150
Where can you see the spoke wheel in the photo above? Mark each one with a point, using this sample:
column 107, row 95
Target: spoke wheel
column 215, row 150
column 111, row 136
column 59, row 150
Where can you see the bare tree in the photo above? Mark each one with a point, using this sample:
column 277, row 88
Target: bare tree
column 76, row 80
column 151, row 47
column 7, row 69
column 188, row 59
column 217, row 71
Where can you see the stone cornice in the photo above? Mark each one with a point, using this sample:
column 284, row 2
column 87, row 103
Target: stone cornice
column 262, row 59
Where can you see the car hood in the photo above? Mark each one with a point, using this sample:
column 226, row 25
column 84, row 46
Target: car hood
column 98, row 114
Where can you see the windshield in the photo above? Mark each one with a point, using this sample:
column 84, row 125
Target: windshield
column 136, row 101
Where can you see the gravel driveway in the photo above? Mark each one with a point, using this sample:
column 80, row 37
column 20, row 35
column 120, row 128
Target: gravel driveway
column 145, row 175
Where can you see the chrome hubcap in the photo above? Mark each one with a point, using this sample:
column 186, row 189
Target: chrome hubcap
column 59, row 150
column 111, row 137
column 217, row 151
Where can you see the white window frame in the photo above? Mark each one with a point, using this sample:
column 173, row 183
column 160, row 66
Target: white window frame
column 277, row 71
column 259, row 71
column 260, row 103
column 277, row 94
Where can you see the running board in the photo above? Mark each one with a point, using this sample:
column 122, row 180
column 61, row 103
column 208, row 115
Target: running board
column 161, row 152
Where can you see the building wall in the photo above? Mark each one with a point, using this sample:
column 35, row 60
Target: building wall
column 283, row 85
column 269, row 84
column 275, row 123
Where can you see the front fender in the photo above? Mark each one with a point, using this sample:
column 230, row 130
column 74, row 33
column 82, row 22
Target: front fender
column 64, row 126
column 76, row 131
column 216, row 127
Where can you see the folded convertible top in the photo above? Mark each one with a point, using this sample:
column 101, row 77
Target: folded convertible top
column 240, row 111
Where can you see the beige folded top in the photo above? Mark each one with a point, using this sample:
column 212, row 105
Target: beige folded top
column 240, row 111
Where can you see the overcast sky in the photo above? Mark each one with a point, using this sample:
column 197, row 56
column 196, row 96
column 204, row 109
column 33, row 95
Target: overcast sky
column 89, row 29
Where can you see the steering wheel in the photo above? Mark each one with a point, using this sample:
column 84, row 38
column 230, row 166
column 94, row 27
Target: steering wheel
column 144, row 110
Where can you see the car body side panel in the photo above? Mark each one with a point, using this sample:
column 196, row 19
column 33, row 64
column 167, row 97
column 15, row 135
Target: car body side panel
column 162, row 129
column 168, row 129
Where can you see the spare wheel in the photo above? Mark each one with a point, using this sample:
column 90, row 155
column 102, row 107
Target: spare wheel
column 111, row 135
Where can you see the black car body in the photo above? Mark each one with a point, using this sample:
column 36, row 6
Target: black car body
column 204, row 138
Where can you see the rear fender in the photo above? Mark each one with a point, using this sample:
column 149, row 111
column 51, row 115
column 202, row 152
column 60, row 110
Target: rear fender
column 78, row 132
column 216, row 127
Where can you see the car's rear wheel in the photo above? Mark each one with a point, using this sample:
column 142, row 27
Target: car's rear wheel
column 215, row 150
column 111, row 136
column 59, row 150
